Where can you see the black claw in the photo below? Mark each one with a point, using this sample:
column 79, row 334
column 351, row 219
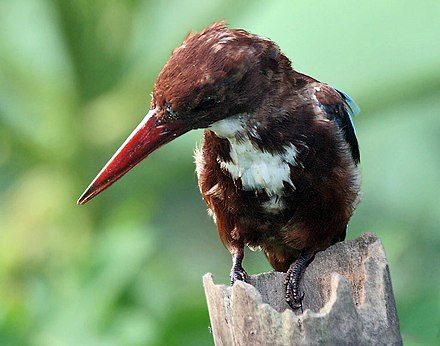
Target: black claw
column 294, row 301
column 295, row 304
column 296, row 298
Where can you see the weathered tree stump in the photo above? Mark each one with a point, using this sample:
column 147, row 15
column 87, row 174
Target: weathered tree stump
column 348, row 301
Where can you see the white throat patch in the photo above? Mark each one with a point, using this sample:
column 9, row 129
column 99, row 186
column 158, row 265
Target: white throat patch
column 257, row 170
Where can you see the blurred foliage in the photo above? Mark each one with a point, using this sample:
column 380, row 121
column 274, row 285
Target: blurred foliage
column 75, row 78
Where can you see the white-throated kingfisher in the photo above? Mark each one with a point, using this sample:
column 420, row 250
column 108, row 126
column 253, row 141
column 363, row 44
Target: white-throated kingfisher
column 278, row 166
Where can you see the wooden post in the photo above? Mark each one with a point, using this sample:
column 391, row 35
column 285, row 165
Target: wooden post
column 348, row 301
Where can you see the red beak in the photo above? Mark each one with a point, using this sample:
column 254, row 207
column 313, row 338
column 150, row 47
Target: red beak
column 148, row 136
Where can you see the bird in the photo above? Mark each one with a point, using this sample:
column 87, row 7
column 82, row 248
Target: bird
column 278, row 166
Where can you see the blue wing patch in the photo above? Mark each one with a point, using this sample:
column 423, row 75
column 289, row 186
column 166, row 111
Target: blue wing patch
column 352, row 108
column 341, row 113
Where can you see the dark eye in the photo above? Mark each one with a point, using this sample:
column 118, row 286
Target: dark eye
column 169, row 114
column 206, row 103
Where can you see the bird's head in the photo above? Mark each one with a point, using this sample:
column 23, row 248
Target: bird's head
column 214, row 74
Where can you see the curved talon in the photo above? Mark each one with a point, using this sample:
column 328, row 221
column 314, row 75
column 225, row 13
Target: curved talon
column 296, row 298
column 295, row 304
column 293, row 300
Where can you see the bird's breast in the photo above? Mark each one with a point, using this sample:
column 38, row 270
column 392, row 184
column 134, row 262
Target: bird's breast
column 255, row 168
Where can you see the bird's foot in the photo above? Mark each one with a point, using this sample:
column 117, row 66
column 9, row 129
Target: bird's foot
column 294, row 299
column 294, row 296
column 238, row 273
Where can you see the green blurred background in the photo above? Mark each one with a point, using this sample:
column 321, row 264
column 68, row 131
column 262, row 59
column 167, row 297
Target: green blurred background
column 75, row 79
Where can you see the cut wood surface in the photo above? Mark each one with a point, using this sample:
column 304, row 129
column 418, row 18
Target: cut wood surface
column 348, row 301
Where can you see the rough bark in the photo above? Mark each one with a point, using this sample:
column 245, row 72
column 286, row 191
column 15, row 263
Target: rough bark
column 348, row 301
